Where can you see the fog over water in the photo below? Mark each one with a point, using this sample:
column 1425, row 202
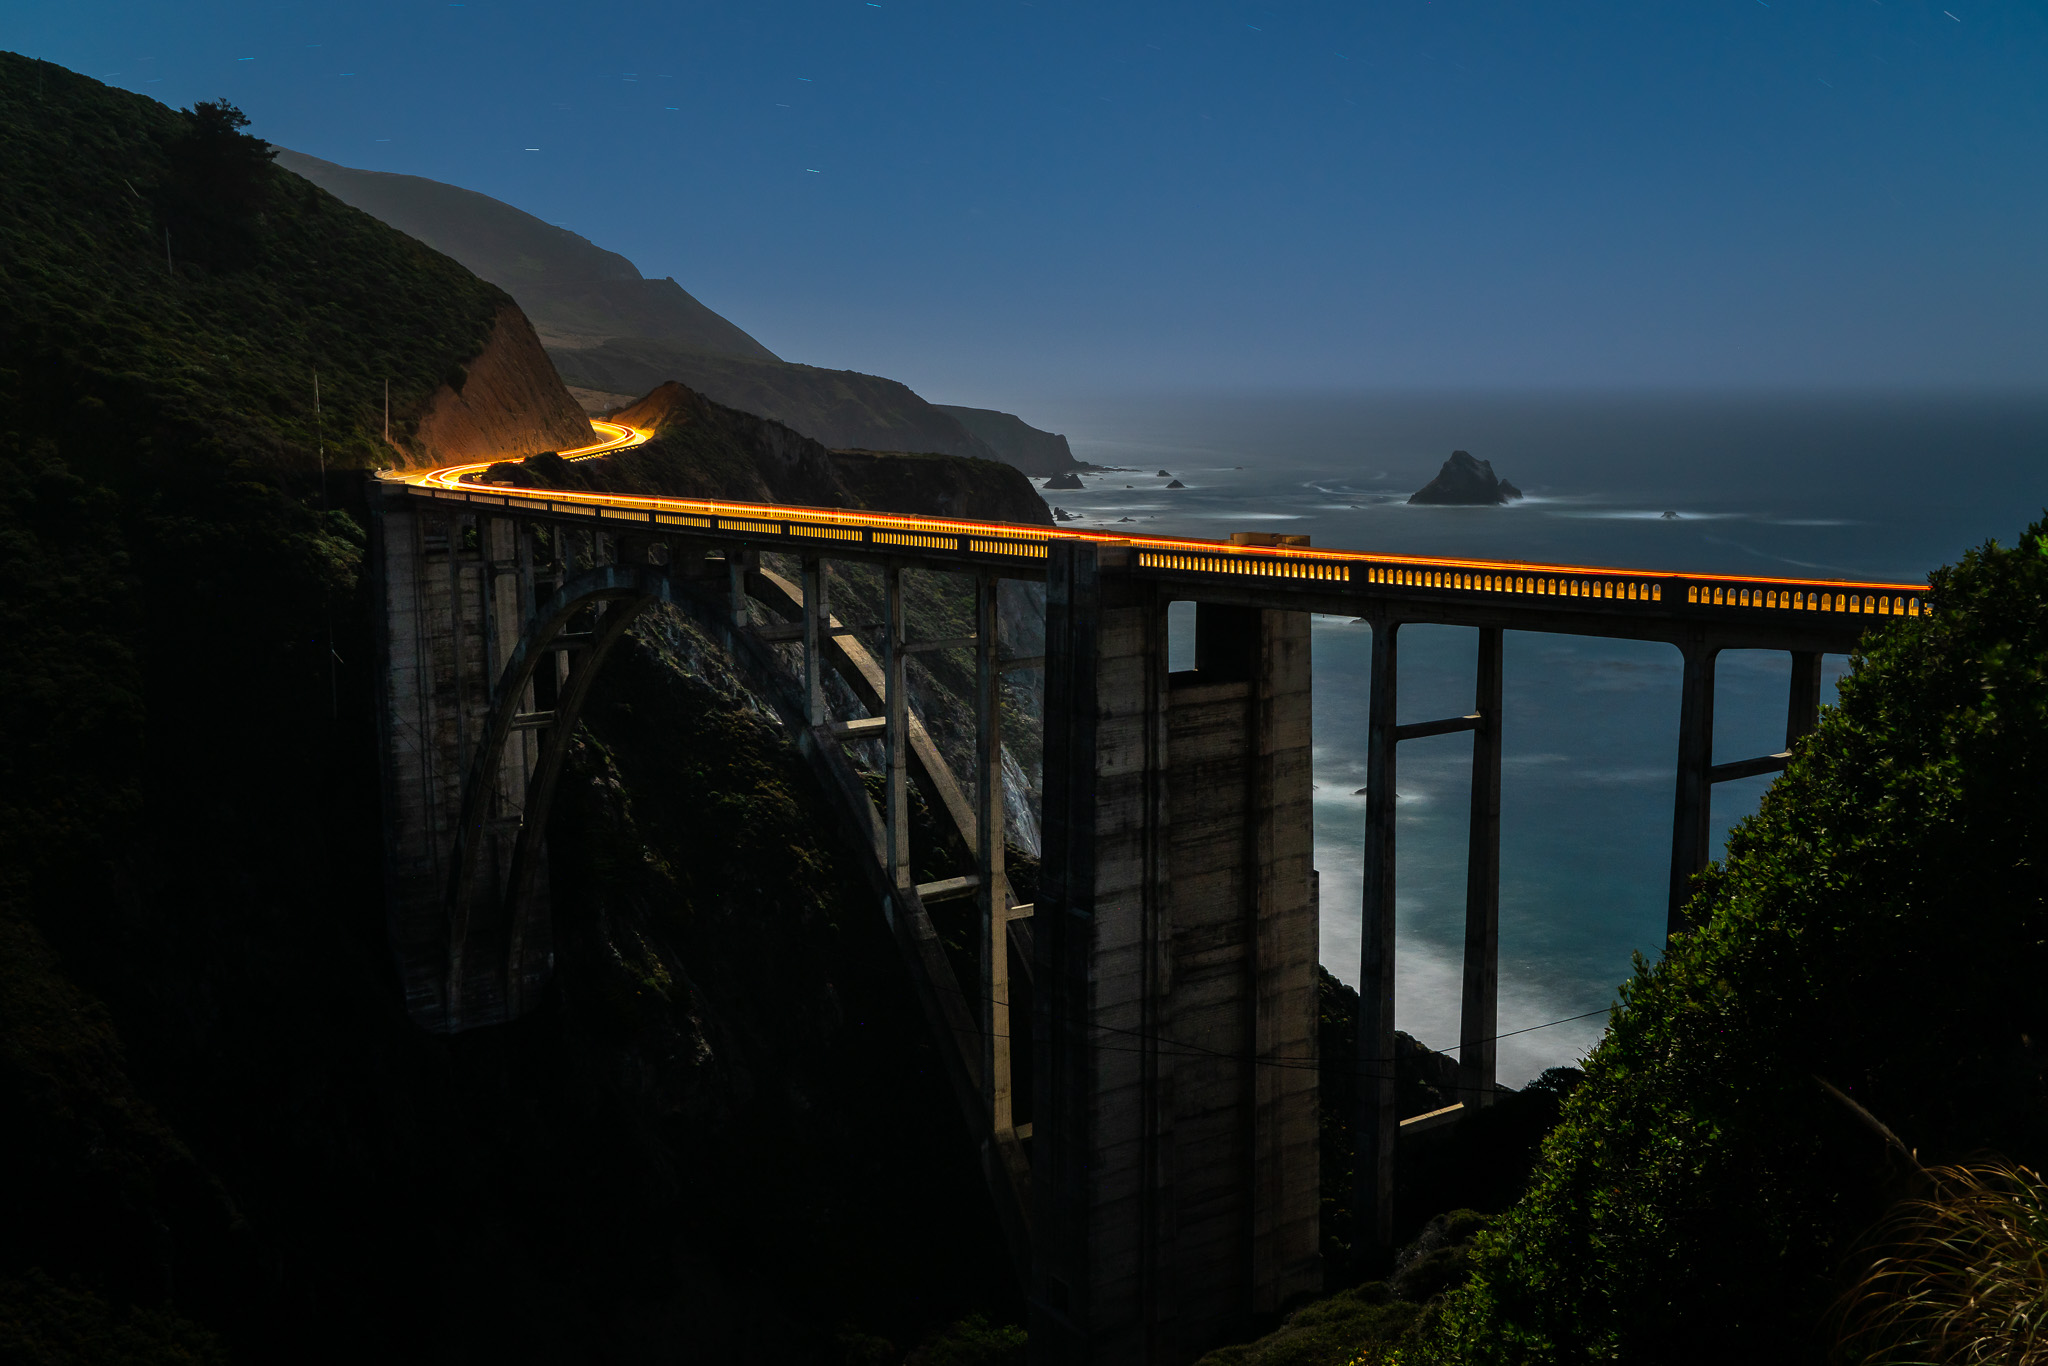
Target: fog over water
column 1876, row 486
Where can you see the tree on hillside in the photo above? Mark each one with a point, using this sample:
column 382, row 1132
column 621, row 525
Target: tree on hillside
column 220, row 179
column 1878, row 926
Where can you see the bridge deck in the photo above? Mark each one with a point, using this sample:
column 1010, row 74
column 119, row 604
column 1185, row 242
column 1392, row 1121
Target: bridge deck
column 1595, row 600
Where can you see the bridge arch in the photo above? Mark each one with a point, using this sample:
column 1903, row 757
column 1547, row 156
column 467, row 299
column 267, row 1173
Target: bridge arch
column 493, row 913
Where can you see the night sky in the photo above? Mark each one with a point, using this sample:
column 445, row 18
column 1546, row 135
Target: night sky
column 998, row 200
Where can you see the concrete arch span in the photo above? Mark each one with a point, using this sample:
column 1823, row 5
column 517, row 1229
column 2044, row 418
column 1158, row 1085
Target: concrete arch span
column 500, row 950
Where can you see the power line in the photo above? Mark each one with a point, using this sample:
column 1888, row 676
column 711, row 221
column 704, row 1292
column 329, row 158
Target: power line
column 1186, row 1049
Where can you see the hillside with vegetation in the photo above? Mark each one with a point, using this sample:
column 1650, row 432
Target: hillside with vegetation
column 220, row 1137
column 615, row 336
column 576, row 292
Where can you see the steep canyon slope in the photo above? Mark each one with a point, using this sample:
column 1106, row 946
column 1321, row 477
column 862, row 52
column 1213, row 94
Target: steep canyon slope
column 222, row 1138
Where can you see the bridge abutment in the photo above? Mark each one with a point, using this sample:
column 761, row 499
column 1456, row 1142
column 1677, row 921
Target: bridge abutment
column 1175, row 1163
column 452, row 608
column 483, row 671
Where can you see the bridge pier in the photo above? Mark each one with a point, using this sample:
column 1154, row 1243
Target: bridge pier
column 451, row 604
column 1479, row 1007
column 1174, row 1147
column 992, row 889
column 1692, row 835
column 1376, row 1118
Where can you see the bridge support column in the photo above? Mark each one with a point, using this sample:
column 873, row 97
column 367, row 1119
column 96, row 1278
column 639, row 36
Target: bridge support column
column 896, row 707
column 817, row 621
column 1691, row 826
column 1174, row 1145
column 1479, row 1007
column 992, row 893
column 1375, row 1119
column 1802, row 707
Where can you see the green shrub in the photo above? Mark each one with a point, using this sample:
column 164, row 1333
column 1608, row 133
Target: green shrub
column 1879, row 924
column 973, row 1341
column 1355, row 1325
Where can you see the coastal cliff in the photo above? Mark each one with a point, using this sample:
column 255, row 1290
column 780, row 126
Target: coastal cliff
column 507, row 399
column 839, row 408
column 1014, row 440
column 702, row 449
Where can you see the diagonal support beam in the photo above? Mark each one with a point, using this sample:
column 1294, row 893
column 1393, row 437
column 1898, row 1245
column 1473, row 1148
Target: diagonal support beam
column 863, row 674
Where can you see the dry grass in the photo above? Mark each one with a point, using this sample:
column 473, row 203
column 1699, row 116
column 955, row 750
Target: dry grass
column 1960, row 1275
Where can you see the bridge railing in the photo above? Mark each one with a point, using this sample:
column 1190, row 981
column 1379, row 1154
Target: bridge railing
column 1023, row 550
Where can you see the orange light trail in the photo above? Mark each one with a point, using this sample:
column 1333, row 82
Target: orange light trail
column 618, row 436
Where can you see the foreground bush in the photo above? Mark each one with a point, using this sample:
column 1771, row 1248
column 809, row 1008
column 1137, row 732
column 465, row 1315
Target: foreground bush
column 1879, row 926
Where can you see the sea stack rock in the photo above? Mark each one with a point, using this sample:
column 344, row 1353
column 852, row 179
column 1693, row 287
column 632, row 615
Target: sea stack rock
column 1466, row 482
column 1065, row 479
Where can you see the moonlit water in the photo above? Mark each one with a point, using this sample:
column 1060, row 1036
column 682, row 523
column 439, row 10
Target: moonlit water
column 1868, row 487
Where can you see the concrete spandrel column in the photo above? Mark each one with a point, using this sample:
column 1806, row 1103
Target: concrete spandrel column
column 896, row 707
column 1691, row 838
column 1479, row 1007
column 817, row 620
column 992, row 896
column 1802, row 705
column 1375, row 1121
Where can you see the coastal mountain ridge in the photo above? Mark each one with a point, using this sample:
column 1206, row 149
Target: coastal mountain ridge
column 614, row 335
column 576, row 292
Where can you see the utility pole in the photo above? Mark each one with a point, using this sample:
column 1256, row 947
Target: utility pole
column 320, row 438
column 333, row 656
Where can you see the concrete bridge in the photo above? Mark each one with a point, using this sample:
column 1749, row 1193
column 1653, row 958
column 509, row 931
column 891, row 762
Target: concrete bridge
column 1159, row 1180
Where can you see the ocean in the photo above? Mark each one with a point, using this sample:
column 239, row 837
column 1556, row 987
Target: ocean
column 1883, row 486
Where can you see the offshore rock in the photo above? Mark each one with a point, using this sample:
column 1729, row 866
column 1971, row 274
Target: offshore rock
column 1464, row 481
column 1066, row 479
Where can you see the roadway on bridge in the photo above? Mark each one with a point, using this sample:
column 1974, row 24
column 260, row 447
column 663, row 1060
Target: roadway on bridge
column 1162, row 552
